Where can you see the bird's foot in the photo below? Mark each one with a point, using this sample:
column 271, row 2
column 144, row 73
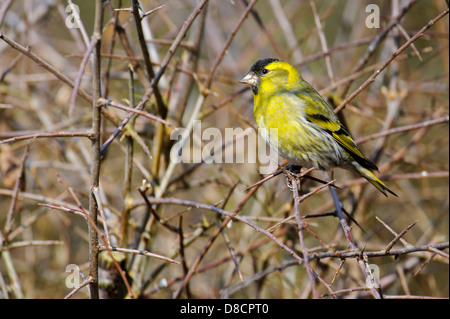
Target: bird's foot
column 292, row 174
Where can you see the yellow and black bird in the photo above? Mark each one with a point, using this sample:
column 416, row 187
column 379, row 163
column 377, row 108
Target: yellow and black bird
column 308, row 131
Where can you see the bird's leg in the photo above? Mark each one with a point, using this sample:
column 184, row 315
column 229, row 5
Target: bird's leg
column 294, row 171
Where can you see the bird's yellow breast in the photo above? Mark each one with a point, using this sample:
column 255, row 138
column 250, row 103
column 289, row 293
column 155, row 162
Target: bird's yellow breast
column 281, row 113
column 283, row 117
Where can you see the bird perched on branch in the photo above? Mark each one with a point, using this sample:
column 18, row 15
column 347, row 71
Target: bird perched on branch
column 308, row 131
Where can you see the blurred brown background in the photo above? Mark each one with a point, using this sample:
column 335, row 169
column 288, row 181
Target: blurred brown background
column 411, row 95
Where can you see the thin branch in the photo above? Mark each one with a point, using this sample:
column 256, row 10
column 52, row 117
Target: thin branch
column 138, row 252
column 212, row 238
column 87, row 281
column 347, row 233
column 81, row 70
column 380, row 37
column 93, row 225
column 158, row 75
column 102, row 213
column 228, row 42
column 162, row 108
column 31, row 243
column 323, row 41
column 199, row 103
column 95, row 150
column 295, row 183
column 404, row 128
column 380, row 253
column 266, row 31
column 79, row 23
column 18, row 186
column 397, row 238
column 45, row 134
column 41, row 62
column 229, row 215
column 388, row 61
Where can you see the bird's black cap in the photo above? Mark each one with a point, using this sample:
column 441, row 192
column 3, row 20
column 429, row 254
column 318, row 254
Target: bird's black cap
column 259, row 65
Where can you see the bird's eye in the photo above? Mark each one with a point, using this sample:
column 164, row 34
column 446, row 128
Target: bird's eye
column 265, row 71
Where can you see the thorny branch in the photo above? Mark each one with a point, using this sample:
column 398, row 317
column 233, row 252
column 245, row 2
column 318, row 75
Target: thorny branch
column 167, row 66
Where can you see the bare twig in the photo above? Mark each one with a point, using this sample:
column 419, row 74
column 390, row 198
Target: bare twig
column 95, row 150
column 41, row 62
column 401, row 129
column 45, row 134
column 323, row 41
column 162, row 109
column 229, row 215
column 227, row 44
column 397, row 238
column 380, row 37
column 388, row 61
column 295, row 183
column 347, row 233
column 83, row 65
column 158, row 75
column 102, row 213
column 138, row 252
column 18, row 186
column 85, row 282
column 380, row 253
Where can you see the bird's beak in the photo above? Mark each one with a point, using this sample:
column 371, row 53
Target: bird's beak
column 250, row 79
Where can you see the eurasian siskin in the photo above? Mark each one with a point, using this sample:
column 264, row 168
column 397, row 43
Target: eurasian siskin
column 309, row 133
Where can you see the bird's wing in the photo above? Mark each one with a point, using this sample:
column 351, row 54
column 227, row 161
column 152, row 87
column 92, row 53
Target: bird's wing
column 322, row 115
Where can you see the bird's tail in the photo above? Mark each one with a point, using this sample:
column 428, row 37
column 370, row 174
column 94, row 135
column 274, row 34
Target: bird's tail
column 375, row 181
